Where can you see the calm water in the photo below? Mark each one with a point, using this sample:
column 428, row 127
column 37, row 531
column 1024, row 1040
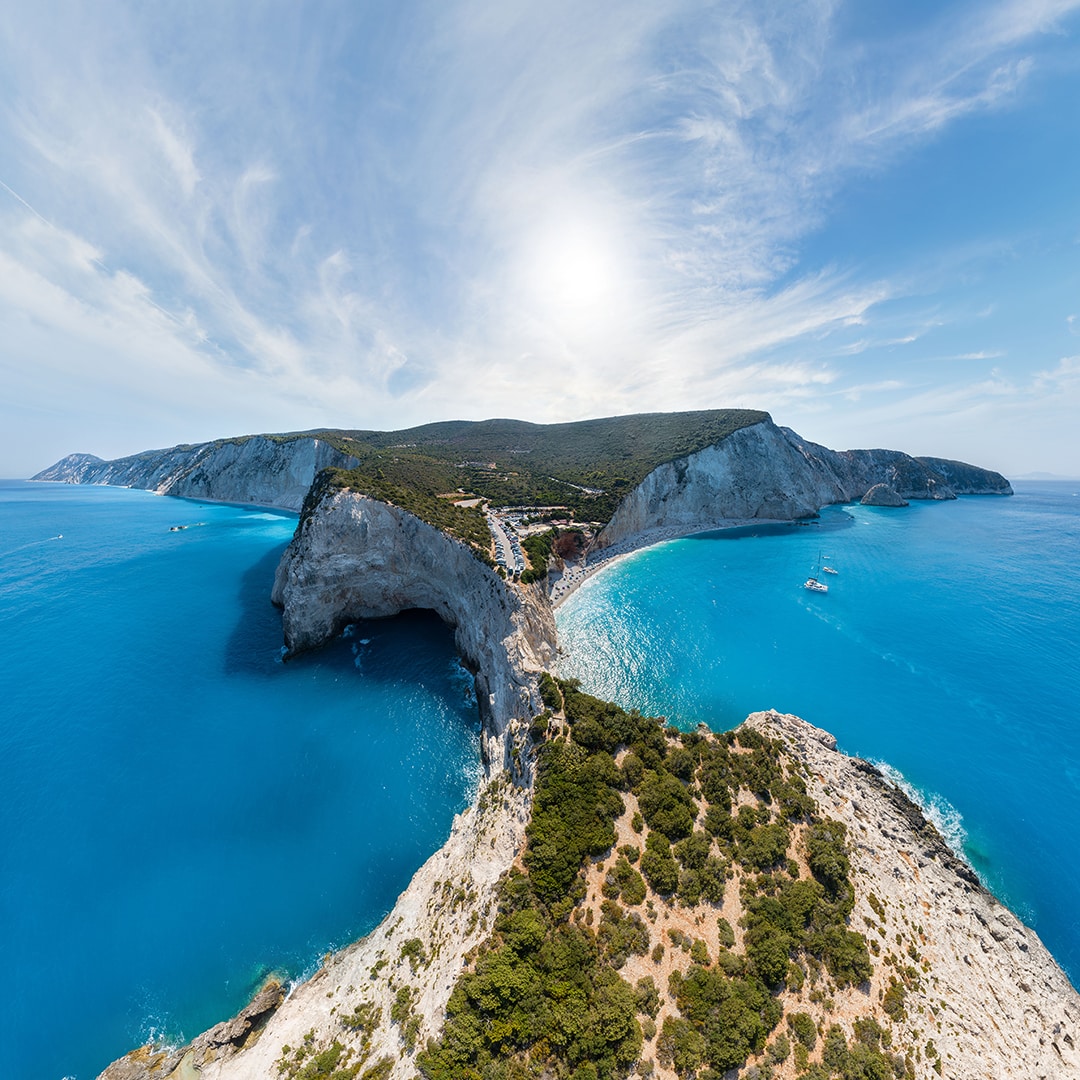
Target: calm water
column 181, row 812
column 947, row 646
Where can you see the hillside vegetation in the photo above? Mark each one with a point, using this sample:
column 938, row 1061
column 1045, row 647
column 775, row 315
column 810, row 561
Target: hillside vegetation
column 681, row 909
column 512, row 463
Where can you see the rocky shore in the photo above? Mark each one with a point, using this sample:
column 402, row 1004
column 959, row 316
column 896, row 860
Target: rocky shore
column 987, row 994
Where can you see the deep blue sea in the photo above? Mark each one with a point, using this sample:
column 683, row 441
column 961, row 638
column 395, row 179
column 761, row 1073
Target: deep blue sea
column 181, row 812
column 948, row 647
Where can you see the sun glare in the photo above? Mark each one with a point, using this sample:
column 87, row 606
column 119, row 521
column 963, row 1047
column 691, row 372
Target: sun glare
column 575, row 273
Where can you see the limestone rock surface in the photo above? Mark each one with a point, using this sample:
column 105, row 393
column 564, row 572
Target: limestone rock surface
column 764, row 472
column 266, row 471
column 883, row 495
column 354, row 557
column 991, row 997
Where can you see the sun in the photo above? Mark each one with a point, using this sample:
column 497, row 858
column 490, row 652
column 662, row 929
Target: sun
column 574, row 271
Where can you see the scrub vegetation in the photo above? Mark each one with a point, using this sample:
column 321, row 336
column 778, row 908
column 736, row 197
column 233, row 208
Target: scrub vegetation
column 585, row 976
column 585, row 467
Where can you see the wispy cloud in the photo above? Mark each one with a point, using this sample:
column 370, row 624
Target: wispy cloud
column 468, row 208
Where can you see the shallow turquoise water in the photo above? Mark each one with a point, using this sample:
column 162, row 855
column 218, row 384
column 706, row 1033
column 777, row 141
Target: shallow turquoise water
column 946, row 647
column 181, row 811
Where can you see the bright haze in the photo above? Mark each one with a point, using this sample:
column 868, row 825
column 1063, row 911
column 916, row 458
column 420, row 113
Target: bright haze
column 221, row 218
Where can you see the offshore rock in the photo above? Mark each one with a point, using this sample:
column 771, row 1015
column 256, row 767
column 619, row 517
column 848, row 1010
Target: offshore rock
column 265, row 470
column 225, row 1038
column 883, row 495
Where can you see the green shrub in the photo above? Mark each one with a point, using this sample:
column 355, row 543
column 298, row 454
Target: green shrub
column 550, row 694
column 658, row 865
column 621, row 934
column 779, row 1049
column 803, row 1028
column 574, row 809
column 647, row 997
column 666, row 805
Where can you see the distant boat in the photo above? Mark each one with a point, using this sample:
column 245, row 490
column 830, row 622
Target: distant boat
column 829, row 570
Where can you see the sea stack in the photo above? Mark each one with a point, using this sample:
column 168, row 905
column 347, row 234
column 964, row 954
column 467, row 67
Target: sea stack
column 883, row 495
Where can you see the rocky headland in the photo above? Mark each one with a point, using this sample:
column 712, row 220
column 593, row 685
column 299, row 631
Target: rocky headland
column 354, row 557
column 766, row 472
column 958, row 984
column 883, row 495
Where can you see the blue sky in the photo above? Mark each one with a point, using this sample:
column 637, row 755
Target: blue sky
column 225, row 218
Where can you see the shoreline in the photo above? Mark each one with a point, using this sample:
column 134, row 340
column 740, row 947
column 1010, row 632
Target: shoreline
column 575, row 576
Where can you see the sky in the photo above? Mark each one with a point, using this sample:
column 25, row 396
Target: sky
column 223, row 218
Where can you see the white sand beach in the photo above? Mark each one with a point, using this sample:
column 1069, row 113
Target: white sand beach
column 597, row 558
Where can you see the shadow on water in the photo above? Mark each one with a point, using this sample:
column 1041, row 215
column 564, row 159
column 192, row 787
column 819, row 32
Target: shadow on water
column 254, row 646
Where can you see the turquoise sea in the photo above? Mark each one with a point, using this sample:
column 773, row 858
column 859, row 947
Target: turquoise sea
column 946, row 648
column 181, row 812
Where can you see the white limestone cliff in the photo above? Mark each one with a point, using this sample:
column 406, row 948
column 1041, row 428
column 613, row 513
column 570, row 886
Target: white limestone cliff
column 267, row 471
column 354, row 557
column 765, row 472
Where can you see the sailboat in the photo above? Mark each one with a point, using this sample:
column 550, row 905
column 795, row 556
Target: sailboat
column 812, row 582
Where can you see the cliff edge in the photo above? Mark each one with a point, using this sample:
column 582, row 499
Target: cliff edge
column 354, row 557
column 979, row 986
column 766, row 472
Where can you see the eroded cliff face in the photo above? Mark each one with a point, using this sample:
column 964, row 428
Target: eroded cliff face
column 266, row 471
column 764, row 472
column 354, row 557
column 754, row 473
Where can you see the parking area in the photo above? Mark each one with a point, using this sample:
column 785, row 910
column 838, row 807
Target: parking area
column 508, row 553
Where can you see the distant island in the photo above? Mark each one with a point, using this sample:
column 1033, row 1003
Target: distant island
column 622, row 899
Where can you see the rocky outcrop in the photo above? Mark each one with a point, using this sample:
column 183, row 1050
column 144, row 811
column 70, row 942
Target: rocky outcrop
column 981, row 986
column 354, row 557
column 421, row 945
column 765, row 472
column 223, row 1039
column 967, row 479
column 266, row 470
column 883, row 495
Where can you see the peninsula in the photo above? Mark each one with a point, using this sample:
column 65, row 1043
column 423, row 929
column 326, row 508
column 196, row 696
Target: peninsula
column 621, row 898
